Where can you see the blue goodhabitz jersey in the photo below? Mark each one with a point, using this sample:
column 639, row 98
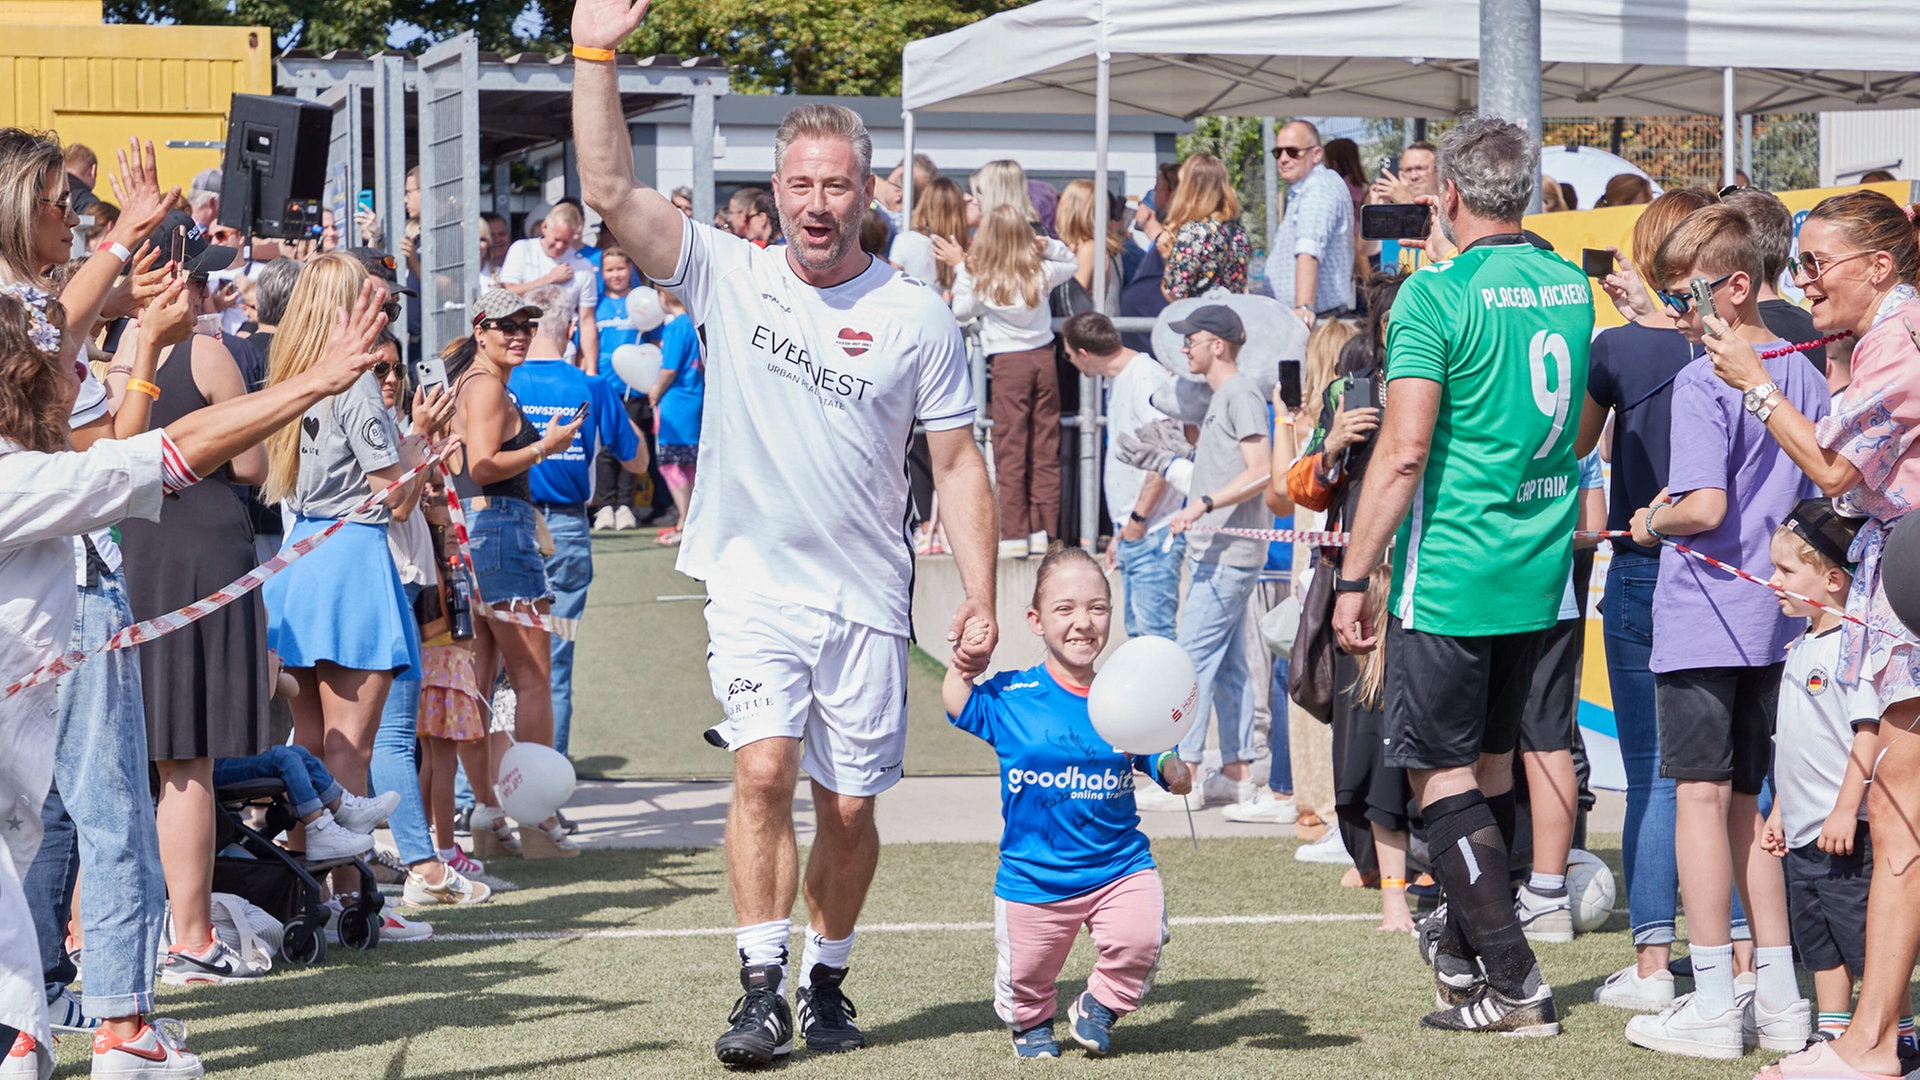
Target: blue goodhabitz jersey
column 1066, row 794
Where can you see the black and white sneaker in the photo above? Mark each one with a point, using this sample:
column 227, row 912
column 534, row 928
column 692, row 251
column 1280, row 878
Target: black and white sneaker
column 1456, row 979
column 825, row 1013
column 1426, row 933
column 760, row 1026
column 1491, row 1011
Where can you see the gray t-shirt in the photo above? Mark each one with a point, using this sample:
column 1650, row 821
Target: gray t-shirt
column 342, row 439
column 1237, row 412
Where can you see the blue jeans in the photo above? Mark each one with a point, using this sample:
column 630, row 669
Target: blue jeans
column 1280, row 759
column 99, row 823
column 569, row 572
column 309, row 785
column 1151, row 578
column 1653, row 882
column 1213, row 633
column 396, row 764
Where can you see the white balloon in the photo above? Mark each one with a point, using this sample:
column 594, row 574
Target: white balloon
column 1146, row 697
column 644, row 310
column 534, row 782
column 637, row 365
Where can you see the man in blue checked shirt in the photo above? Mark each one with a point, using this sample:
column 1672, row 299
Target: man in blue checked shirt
column 546, row 386
column 1310, row 262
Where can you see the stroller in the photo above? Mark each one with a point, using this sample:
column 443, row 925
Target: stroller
column 285, row 886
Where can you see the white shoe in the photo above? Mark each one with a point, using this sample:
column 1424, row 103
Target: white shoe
column 1784, row 1031
column 455, row 888
column 1218, row 790
column 1037, row 542
column 328, row 841
column 1680, row 1029
column 25, row 1061
column 1151, row 797
column 603, row 519
column 363, row 815
column 623, row 519
column 1013, row 549
column 1330, row 850
column 159, row 1051
column 395, row 928
column 1628, row 989
column 1265, row 808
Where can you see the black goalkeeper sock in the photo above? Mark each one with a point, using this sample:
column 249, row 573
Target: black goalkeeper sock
column 1470, row 862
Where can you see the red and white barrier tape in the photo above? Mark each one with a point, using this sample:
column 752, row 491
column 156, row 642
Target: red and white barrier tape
column 562, row 628
column 162, row 625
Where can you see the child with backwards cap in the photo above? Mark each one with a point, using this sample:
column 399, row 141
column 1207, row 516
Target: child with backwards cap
column 1072, row 853
column 1825, row 742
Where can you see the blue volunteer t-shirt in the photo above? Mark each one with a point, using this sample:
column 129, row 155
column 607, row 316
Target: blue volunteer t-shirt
column 549, row 388
column 680, row 406
column 616, row 329
column 1066, row 795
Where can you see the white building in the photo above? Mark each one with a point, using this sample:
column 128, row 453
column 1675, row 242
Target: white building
column 1852, row 143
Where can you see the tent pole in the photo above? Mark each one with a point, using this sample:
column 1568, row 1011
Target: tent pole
column 1746, row 145
column 906, row 173
column 701, row 128
column 1269, row 180
column 1510, row 66
column 1729, row 122
column 1089, row 433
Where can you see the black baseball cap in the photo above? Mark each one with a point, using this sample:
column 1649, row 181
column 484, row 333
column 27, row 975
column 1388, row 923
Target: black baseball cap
column 1216, row 319
column 383, row 266
column 211, row 259
column 1826, row 532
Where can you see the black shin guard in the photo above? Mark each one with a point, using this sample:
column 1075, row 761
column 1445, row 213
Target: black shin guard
column 1470, row 862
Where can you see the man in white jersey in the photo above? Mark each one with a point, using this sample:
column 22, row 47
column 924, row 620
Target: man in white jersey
column 820, row 360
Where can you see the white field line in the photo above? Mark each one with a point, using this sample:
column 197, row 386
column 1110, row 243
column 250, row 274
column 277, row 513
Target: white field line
column 885, row 928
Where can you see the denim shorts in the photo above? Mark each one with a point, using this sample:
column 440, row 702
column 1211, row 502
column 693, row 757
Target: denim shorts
column 506, row 553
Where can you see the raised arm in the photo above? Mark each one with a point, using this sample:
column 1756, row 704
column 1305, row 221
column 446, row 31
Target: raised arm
column 647, row 224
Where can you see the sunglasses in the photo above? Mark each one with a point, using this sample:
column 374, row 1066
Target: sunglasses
column 385, row 368
column 1808, row 265
column 64, row 203
column 509, row 326
column 1290, row 151
column 1681, row 302
column 1734, row 189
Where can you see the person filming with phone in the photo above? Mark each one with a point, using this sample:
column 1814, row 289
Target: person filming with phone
column 551, row 390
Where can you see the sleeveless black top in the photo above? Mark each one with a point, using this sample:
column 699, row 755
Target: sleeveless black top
column 519, row 486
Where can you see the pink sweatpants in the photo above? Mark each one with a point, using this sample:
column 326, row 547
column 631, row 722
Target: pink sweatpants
column 1128, row 920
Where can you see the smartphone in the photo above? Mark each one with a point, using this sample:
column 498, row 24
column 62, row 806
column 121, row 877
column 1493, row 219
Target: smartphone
column 366, row 199
column 1396, row 221
column 578, row 413
column 1390, row 164
column 1702, row 291
column 1362, row 393
column 1290, row 383
column 207, row 324
column 178, row 252
column 1597, row 262
column 432, row 372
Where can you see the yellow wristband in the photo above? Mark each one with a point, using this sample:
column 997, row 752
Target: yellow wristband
column 142, row 386
column 585, row 52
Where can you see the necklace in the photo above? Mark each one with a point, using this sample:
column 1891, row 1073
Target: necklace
column 1775, row 354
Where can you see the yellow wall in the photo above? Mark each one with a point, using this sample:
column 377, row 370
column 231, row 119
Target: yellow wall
column 1612, row 226
column 100, row 84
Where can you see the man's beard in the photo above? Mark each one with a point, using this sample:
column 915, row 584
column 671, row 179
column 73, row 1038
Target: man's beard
column 846, row 234
column 1446, row 228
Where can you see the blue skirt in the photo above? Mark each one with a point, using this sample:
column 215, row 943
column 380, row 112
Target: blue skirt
column 343, row 603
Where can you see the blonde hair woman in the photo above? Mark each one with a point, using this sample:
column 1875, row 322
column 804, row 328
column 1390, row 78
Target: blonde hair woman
column 940, row 211
column 1002, row 183
column 339, row 617
column 1074, row 218
column 1204, row 243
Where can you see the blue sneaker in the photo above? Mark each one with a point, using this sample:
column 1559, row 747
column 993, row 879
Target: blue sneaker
column 1036, row 1042
column 1090, row 1023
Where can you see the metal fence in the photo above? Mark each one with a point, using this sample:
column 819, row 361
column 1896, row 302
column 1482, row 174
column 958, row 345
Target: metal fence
column 1779, row 151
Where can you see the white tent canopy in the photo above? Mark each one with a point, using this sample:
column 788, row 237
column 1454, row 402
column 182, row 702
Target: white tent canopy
column 1393, row 58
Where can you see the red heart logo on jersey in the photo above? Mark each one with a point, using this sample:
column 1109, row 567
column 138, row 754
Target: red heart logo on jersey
column 855, row 342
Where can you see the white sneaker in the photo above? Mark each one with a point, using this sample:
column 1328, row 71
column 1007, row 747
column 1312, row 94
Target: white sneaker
column 1330, row 850
column 1151, row 797
column 362, row 815
column 1013, row 549
column 623, row 519
column 1784, row 1031
column 328, row 841
column 1265, row 808
column 397, row 928
column 1680, row 1029
column 1037, row 542
column 160, row 1050
column 455, row 888
column 24, row 1060
column 1217, row 790
column 1628, row 989
column 603, row 519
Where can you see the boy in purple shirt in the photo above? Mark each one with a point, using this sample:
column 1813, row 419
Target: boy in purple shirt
column 1718, row 643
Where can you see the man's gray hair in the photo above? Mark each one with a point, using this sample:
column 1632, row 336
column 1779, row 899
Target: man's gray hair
column 273, row 288
column 824, row 121
column 1494, row 164
column 556, row 314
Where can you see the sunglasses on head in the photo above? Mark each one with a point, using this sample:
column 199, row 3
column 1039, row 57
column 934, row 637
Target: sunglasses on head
column 1809, row 265
column 510, row 326
column 1290, row 151
column 1681, row 302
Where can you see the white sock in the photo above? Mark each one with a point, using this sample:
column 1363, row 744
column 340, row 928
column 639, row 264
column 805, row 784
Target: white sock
column 1546, row 883
column 1713, row 978
column 447, row 855
column 765, row 943
column 1777, row 986
column 823, row 950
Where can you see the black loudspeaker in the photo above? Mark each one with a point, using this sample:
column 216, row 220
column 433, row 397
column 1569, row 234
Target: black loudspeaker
column 275, row 170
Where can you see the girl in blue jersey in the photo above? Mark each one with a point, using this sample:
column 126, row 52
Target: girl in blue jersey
column 1072, row 853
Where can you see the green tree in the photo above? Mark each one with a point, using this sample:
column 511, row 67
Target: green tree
column 1235, row 140
column 296, row 24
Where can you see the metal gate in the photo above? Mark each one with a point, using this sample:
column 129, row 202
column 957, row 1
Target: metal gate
column 345, row 145
column 449, row 100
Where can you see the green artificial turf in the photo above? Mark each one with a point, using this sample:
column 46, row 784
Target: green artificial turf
column 1319, row 1000
column 641, row 693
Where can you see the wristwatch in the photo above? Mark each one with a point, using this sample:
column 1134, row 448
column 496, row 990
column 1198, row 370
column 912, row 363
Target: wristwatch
column 1207, row 501
column 1134, row 516
column 1341, row 585
column 1756, row 399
